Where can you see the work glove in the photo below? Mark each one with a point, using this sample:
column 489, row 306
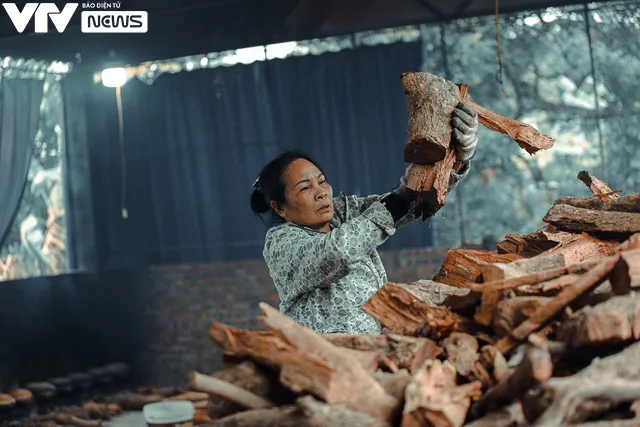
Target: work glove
column 465, row 131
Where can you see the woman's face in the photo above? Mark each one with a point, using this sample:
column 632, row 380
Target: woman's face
column 308, row 196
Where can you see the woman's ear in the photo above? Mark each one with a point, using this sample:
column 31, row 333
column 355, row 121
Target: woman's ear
column 277, row 208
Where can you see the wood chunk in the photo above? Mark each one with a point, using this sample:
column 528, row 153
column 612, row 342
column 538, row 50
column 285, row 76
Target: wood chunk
column 394, row 384
column 579, row 220
column 533, row 244
column 509, row 416
column 432, row 183
column 513, row 311
column 626, row 273
column 494, row 363
column 461, row 351
column 561, row 401
column 400, row 349
column 215, row 386
column 611, row 322
column 547, row 312
column 548, row 288
column 466, row 265
column 486, row 313
column 319, row 414
column 630, row 203
column 250, row 377
column 633, row 242
column 583, row 247
column 190, row 396
column 535, row 368
column 596, row 186
column 430, row 103
column 433, row 397
column 400, row 309
column 350, row 384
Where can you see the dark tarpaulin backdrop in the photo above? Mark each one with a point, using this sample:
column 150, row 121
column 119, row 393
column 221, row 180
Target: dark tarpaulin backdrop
column 19, row 113
column 194, row 143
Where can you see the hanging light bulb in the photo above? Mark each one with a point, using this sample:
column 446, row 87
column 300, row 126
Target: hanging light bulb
column 114, row 77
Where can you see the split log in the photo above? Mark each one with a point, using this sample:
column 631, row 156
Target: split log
column 348, row 383
column 630, row 203
column 509, row 416
column 547, row 312
column 266, row 348
column 494, row 364
column 466, row 265
column 513, row 311
column 583, row 247
column 597, row 187
column 256, row 379
column 432, row 183
column 486, row 313
column 535, row 368
column 461, row 351
column 562, row 401
column 307, row 412
column 578, row 220
column 401, row 350
column 625, row 276
column 433, row 397
column 533, row 244
column 611, row 322
column 548, row 288
column 229, row 391
column 401, row 309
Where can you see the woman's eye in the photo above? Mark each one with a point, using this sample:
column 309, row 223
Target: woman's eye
column 304, row 188
column 323, row 182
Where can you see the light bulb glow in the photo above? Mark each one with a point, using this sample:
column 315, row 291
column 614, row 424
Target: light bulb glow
column 114, row 77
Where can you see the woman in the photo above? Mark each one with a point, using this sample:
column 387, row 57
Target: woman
column 322, row 253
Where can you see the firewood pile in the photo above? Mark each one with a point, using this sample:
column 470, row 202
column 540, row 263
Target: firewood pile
column 541, row 332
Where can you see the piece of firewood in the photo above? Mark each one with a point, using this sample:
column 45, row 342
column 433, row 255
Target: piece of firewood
column 252, row 377
column 431, row 182
column 611, row 322
column 191, row 396
column 430, row 103
column 264, row 346
column 596, row 186
column 630, row 203
column 350, row 385
column 535, row 368
column 494, row 364
column 612, row 380
column 212, row 385
column 533, row 244
column 400, row 309
column 527, row 137
column 433, row 397
column 394, row 384
column 201, row 416
column 509, row 416
column 547, row 312
column 583, row 247
column 513, row 311
column 486, row 312
column 578, row 220
column 548, row 288
column 466, row 265
column 400, row 349
column 626, row 274
column 461, row 350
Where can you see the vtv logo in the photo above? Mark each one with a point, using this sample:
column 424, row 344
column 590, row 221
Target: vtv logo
column 42, row 12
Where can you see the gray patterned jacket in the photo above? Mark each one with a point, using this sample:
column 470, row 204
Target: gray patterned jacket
column 324, row 278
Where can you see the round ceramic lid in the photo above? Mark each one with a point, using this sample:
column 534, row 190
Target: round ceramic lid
column 168, row 412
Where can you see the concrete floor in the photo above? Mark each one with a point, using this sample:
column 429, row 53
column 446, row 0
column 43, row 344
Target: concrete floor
column 129, row 419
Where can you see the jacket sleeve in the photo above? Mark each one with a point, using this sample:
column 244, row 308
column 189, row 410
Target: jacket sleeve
column 300, row 261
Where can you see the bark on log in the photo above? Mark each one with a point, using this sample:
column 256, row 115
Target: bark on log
column 535, row 368
column 547, row 312
column 583, row 247
column 625, row 276
column 611, row 322
column 400, row 309
column 350, row 384
column 465, row 265
column 432, row 183
column 630, row 203
column 461, row 350
column 596, row 186
column 401, row 350
column 430, row 104
column 433, row 397
column 578, row 220
column 548, row 288
column 561, row 401
column 486, row 313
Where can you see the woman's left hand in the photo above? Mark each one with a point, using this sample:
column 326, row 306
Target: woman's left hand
column 465, row 131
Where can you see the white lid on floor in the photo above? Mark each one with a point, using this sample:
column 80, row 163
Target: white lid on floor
column 178, row 411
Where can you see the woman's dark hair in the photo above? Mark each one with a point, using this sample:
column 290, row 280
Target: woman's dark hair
column 270, row 186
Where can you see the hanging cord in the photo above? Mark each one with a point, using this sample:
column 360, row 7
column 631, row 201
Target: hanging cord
column 497, row 25
column 123, row 165
column 603, row 161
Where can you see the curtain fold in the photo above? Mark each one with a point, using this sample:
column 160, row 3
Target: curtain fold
column 19, row 115
column 195, row 141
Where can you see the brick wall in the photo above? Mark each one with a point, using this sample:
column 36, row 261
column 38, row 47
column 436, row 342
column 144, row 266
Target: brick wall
column 178, row 304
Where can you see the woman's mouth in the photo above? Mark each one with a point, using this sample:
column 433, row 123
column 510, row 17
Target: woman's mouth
column 325, row 209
